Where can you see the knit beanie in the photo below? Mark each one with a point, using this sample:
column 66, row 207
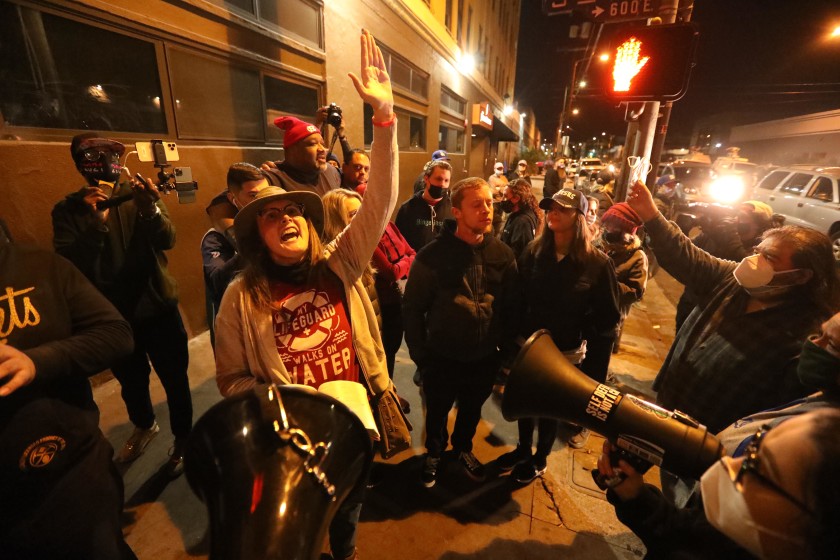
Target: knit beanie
column 296, row 130
column 623, row 216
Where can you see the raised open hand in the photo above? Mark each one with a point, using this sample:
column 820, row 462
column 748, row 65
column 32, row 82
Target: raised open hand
column 374, row 85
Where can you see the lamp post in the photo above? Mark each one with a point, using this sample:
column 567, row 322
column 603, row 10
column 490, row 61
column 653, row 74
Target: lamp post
column 571, row 91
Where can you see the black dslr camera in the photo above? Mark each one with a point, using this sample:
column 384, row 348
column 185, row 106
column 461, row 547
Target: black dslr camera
column 334, row 115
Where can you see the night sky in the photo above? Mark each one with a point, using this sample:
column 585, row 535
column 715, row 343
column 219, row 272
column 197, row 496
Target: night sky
column 756, row 60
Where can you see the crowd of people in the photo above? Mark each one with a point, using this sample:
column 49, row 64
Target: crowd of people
column 308, row 281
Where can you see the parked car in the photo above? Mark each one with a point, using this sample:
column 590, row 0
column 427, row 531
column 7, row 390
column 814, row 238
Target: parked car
column 694, row 179
column 806, row 195
column 591, row 164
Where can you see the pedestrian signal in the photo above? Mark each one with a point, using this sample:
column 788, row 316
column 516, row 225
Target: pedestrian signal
column 650, row 63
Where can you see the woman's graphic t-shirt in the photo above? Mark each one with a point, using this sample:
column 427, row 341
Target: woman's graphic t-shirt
column 312, row 332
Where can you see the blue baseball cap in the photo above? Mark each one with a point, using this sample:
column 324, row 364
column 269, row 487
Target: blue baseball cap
column 440, row 154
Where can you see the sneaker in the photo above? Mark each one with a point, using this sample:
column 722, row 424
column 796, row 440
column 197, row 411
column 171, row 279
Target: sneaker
column 430, row 471
column 579, row 439
column 136, row 444
column 175, row 466
column 512, row 458
column 525, row 472
column 472, row 466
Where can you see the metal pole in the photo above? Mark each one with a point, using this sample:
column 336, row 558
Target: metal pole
column 647, row 122
column 669, row 15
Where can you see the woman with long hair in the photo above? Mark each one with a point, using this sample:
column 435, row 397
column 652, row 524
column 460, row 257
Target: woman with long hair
column 387, row 271
column 569, row 287
column 299, row 313
column 524, row 217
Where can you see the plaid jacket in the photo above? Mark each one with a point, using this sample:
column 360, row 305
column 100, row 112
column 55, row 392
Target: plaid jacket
column 725, row 363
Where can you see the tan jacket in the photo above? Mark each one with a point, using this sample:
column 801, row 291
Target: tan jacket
column 246, row 353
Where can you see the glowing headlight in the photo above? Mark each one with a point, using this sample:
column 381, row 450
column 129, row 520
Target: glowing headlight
column 611, row 168
column 727, row 189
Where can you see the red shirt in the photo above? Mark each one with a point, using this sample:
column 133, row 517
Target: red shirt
column 312, row 332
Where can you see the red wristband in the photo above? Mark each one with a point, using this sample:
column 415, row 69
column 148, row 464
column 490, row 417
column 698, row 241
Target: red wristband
column 389, row 122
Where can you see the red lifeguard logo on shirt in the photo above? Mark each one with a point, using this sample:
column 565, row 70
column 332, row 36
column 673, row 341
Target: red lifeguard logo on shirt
column 313, row 335
column 306, row 321
column 40, row 453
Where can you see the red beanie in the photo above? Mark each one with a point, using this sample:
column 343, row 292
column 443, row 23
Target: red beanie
column 296, row 130
column 622, row 215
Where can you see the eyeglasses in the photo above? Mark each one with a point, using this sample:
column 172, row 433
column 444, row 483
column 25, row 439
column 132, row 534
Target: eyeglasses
column 93, row 154
column 751, row 465
column 273, row 215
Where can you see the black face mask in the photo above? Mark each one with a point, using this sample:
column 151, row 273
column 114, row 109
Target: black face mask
column 818, row 368
column 506, row 206
column 107, row 168
column 614, row 237
column 435, row 192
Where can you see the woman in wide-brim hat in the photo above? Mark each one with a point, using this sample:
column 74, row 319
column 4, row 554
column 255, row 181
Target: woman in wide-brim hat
column 299, row 312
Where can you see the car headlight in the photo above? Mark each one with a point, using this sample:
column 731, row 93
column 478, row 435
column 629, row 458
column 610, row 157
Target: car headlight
column 611, row 168
column 727, row 189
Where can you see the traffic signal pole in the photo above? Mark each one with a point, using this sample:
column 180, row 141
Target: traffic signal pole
column 661, row 130
column 642, row 135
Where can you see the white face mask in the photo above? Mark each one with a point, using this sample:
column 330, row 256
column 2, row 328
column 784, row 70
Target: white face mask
column 754, row 271
column 728, row 512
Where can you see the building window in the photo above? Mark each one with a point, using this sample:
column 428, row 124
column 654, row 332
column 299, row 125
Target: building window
column 411, row 131
column 447, row 16
column 56, row 76
column 301, row 18
column 198, row 112
column 451, row 139
column 460, row 27
column 469, row 27
column 405, row 76
column 452, row 102
column 286, row 98
column 413, row 136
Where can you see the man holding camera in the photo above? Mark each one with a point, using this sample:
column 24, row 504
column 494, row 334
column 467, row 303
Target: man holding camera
column 305, row 167
column 118, row 242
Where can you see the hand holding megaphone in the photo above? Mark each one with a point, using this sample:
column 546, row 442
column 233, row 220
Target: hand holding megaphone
column 544, row 384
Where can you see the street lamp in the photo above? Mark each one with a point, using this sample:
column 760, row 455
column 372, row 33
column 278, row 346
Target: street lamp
column 571, row 91
column 507, row 108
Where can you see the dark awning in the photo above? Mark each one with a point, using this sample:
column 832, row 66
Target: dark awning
column 502, row 133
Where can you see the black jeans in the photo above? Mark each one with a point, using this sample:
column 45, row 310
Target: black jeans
column 546, row 434
column 163, row 340
column 446, row 382
column 392, row 332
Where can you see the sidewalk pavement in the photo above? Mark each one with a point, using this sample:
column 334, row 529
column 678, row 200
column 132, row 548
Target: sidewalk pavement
column 562, row 514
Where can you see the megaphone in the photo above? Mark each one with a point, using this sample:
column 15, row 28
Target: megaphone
column 544, row 384
column 273, row 465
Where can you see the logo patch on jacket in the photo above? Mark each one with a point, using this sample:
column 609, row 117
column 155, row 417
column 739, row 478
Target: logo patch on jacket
column 40, row 453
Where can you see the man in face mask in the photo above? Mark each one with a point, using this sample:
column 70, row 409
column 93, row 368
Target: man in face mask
column 777, row 499
column 420, row 217
column 121, row 249
column 732, row 237
column 737, row 351
column 218, row 251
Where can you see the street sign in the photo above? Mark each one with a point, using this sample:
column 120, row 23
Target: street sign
column 604, row 10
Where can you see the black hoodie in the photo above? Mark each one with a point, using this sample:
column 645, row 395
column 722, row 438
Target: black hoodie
column 460, row 300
